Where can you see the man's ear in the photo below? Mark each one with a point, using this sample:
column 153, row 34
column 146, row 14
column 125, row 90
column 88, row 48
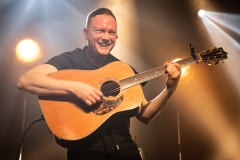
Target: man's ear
column 85, row 31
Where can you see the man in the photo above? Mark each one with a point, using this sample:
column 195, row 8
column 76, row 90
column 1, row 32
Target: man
column 101, row 34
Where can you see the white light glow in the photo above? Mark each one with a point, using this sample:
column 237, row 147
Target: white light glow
column 28, row 51
column 185, row 70
column 201, row 13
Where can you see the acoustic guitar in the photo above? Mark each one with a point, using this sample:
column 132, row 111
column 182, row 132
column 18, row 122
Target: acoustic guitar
column 74, row 125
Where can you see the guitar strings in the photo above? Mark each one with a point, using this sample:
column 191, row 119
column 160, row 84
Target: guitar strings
column 109, row 92
column 110, row 87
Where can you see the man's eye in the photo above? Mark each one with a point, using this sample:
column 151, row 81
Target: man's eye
column 112, row 33
column 99, row 31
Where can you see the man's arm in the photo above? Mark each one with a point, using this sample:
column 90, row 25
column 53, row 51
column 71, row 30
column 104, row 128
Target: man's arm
column 151, row 109
column 37, row 81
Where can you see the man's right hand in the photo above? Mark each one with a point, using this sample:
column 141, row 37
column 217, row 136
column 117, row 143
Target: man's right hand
column 87, row 93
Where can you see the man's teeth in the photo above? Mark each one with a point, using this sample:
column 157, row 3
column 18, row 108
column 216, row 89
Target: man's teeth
column 104, row 45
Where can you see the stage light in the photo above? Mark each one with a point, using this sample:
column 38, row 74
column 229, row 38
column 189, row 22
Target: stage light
column 185, row 70
column 201, row 13
column 28, row 51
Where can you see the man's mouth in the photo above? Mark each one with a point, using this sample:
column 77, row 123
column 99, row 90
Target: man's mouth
column 104, row 44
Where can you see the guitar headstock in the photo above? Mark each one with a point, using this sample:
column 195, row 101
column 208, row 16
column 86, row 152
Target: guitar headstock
column 213, row 55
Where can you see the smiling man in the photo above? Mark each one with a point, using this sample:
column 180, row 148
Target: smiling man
column 101, row 34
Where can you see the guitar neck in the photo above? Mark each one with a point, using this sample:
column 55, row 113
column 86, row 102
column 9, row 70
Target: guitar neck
column 154, row 73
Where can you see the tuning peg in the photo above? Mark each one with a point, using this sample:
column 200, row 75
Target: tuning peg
column 216, row 62
column 222, row 60
column 209, row 63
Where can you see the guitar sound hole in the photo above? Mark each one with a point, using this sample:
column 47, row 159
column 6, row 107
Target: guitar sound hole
column 110, row 88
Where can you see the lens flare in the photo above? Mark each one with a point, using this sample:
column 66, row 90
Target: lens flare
column 185, row 70
column 28, row 51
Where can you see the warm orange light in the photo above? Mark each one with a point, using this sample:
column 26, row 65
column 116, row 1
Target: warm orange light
column 28, row 51
column 185, row 70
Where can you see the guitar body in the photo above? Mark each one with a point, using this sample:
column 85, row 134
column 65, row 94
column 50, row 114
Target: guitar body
column 72, row 123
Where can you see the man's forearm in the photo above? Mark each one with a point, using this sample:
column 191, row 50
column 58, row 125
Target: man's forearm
column 152, row 108
column 39, row 84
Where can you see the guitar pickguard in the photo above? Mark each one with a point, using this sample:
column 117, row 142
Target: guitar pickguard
column 108, row 105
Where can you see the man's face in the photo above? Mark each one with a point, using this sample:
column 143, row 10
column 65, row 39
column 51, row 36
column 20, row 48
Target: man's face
column 101, row 34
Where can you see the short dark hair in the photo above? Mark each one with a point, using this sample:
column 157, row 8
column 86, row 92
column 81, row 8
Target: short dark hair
column 98, row 11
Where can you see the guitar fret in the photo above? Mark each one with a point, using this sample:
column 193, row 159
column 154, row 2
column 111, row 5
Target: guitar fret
column 186, row 62
column 190, row 60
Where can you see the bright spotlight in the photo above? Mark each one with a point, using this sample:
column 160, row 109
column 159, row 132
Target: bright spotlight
column 201, row 13
column 185, row 70
column 28, row 51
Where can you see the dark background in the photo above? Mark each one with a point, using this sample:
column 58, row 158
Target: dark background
column 150, row 33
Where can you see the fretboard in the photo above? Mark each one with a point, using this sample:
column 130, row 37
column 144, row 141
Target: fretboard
column 153, row 73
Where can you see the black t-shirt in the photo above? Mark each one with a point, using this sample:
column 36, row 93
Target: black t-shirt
column 117, row 138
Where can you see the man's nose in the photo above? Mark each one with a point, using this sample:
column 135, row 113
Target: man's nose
column 106, row 36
